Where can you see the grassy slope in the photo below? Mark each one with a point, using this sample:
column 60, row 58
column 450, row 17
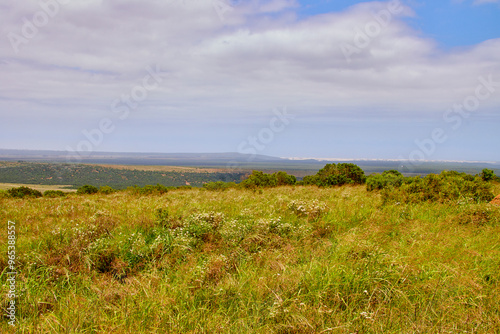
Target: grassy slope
column 336, row 262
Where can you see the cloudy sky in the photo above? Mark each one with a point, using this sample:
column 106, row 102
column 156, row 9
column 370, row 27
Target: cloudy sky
column 412, row 79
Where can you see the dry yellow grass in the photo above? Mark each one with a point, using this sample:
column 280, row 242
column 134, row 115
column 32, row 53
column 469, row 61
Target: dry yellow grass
column 42, row 188
column 162, row 168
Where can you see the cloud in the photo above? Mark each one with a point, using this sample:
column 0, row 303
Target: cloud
column 256, row 56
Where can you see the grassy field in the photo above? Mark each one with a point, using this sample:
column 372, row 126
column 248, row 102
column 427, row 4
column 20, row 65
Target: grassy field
column 39, row 187
column 163, row 168
column 279, row 260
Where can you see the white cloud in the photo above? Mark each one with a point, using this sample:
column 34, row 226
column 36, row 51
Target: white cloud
column 260, row 55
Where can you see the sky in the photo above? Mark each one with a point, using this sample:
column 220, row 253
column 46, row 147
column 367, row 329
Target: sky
column 409, row 79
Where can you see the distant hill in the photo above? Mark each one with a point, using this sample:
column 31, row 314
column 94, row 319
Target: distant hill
column 241, row 163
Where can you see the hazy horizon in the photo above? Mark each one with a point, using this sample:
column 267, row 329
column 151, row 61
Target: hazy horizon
column 263, row 155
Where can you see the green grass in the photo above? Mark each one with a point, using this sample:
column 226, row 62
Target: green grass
column 280, row 260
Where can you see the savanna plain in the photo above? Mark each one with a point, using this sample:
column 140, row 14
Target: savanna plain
column 288, row 259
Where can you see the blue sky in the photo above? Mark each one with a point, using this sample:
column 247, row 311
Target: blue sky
column 450, row 23
column 415, row 80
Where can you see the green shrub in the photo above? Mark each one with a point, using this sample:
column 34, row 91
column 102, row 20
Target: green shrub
column 54, row 193
column 219, row 185
column 22, row 192
column 388, row 178
column 284, row 179
column 337, row 175
column 106, row 190
column 159, row 189
column 487, row 175
column 87, row 190
column 186, row 187
column 260, row 179
column 445, row 187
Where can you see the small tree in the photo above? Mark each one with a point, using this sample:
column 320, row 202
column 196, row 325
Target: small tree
column 283, row 179
column 87, row 190
column 106, row 190
column 336, row 175
column 54, row 193
column 22, row 192
column 487, row 175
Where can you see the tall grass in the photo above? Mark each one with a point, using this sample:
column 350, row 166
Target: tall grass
column 282, row 260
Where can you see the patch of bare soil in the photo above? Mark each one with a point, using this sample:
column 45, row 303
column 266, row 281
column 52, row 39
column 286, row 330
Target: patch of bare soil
column 496, row 200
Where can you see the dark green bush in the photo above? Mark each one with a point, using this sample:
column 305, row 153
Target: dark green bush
column 337, row 175
column 186, row 187
column 487, row 175
column 106, row 190
column 219, row 185
column 445, row 187
column 159, row 189
column 260, row 179
column 54, row 193
column 388, row 178
column 87, row 190
column 22, row 192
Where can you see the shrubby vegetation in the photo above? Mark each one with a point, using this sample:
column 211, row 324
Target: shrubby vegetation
column 87, row 190
column 388, row 178
column 447, row 186
column 106, row 190
column 54, row 193
column 159, row 189
column 219, row 185
column 262, row 180
column 336, row 175
column 488, row 175
column 22, row 192
column 79, row 175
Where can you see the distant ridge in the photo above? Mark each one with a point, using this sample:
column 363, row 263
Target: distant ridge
column 142, row 158
column 231, row 160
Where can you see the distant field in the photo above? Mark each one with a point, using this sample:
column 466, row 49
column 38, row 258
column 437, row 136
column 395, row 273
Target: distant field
column 42, row 188
column 162, row 168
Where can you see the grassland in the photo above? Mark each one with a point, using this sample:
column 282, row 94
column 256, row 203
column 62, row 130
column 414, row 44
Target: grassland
column 42, row 188
column 280, row 260
column 116, row 176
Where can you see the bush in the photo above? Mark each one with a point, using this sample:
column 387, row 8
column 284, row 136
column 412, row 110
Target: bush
column 487, row 175
column 54, row 193
column 22, row 192
column 159, row 189
column 388, row 178
column 106, row 190
column 87, row 190
column 284, row 179
column 445, row 187
column 260, row 179
column 185, row 187
column 337, row 175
